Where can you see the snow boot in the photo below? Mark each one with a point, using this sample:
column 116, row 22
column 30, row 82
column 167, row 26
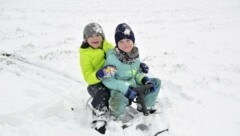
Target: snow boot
column 100, row 119
column 151, row 110
column 100, row 126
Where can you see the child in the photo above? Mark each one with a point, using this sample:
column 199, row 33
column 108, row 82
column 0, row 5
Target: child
column 92, row 58
column 125, row 57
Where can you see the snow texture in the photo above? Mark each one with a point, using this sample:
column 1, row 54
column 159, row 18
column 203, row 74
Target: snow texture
column 191, row 45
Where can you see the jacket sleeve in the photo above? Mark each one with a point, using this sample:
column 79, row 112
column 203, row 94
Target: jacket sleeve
column 88, row 73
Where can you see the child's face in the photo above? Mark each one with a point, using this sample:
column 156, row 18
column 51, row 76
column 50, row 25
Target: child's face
column 95, row 40
column 125, row 45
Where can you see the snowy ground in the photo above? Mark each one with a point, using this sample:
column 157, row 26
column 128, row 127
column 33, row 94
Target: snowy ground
column 192, row 45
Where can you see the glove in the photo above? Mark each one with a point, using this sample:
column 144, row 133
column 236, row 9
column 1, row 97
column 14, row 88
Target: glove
column 147, row 81
column 131, row 94
column 144, row 68
column 106, row 72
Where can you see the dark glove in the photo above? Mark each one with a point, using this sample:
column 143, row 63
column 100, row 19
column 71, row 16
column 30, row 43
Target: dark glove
column 106, row 71
column 147, row 81
column 144, row 67
column 131, row 94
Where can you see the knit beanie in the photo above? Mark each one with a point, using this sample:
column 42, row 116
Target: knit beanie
column 123, row 31
column 92, row 28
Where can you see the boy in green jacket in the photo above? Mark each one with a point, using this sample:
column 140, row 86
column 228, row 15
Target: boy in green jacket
column 92, row 58
column 125, row 57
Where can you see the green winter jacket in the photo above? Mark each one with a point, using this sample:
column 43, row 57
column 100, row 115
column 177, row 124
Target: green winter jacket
column 126, row 75
column 91, row 60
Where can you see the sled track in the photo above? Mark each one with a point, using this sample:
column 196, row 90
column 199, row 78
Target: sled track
column 20, row 59
column 39, row 74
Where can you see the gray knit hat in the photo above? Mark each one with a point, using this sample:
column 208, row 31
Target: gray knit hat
column 92, row 28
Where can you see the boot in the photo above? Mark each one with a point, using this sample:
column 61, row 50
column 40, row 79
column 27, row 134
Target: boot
column 100, row 126
column 151, row 109
column 100, row 119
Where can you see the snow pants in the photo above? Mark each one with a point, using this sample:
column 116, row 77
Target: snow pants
column 118, row 101
column 100, row 95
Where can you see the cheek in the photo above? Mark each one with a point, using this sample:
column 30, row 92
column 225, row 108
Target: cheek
column 89, row 40
column 130, row 46
column 100, row 38
column 122, row 47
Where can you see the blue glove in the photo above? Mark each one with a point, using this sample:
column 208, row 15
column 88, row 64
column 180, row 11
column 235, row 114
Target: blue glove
column 131, row 94
column 144, row 67
column 147, row 81
column 106, row 72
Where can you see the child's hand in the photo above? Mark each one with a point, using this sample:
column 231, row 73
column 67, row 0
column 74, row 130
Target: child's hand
column 147, row 81
column 106, row 72
column 144, row 68
column 131, row 94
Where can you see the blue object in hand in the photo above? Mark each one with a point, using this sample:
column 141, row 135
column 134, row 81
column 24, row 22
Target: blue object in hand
column 131, row 94
column 106, row 72
column 144, row 67
column 147, row 81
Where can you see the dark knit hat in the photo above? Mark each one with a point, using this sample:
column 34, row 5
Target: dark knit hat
column 92, row 28
column 123, row 31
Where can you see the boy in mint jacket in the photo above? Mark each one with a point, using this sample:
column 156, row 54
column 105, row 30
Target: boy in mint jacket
column 125, row 57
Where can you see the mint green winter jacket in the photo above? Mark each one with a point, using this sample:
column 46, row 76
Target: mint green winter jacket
column 126, row 75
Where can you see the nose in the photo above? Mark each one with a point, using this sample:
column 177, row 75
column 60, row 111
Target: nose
column 125, row 44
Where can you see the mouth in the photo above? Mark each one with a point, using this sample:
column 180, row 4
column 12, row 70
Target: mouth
column 96, row 42
column 126, row 48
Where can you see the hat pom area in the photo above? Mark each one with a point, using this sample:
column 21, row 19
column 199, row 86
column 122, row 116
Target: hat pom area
column 92, row 28
column 123, row 31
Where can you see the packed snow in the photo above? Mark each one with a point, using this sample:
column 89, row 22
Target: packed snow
column 193, row 46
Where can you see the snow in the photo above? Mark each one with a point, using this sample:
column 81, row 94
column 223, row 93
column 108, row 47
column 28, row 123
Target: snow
column 193, row 46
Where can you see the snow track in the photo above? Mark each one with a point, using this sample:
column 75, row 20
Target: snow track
column 58, row 82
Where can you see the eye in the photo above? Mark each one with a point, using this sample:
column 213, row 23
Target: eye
column 121, row 41
column 128, row 40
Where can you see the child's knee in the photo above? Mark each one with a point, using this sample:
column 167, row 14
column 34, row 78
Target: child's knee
column 157, row 82
column 118, row 102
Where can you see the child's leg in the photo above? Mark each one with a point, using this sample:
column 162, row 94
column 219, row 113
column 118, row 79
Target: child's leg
column 100, row 95
column 118, row 103
column 150, row 98
column 100, row 112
